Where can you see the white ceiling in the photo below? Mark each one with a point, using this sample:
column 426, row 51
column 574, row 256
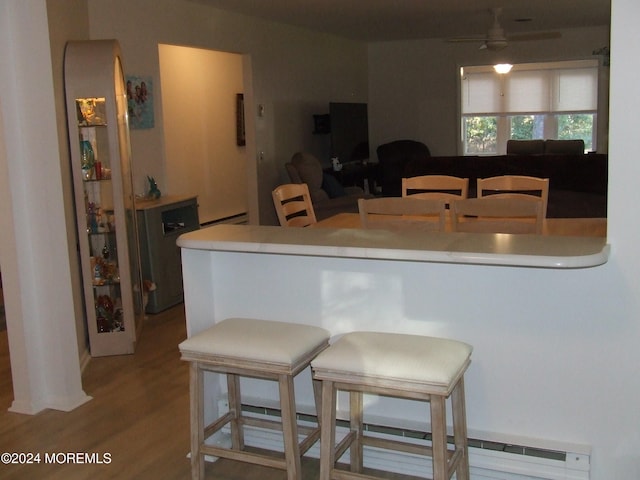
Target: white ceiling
column 384, row 20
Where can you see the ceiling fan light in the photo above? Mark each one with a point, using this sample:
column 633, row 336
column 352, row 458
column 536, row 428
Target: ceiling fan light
column 503, row 68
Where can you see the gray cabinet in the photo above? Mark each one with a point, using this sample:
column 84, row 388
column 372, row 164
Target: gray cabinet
column 160, row 223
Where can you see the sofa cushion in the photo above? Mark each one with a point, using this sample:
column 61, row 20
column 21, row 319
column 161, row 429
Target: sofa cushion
column 332, row 186
column 310, row 172
column 564, row 147
column 333, row 206
column 525, row 147
column 309, row 169
column 293, row 173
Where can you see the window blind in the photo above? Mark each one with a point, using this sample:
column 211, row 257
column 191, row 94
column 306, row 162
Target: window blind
column 576, row 90
column 531, row 89
column 481, row 94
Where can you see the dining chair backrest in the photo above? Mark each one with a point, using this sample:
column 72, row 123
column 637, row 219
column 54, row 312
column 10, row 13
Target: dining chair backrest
column 398, row 213
column 515, row 186
column 497, row 215
column 293, row 205
column 445, row 187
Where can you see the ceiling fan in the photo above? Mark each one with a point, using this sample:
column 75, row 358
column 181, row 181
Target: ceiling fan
column 496, row 39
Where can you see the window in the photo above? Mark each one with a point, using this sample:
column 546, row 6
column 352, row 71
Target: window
column 555, row 100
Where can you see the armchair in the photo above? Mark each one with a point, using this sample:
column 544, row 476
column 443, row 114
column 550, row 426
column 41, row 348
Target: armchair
column 328, row 196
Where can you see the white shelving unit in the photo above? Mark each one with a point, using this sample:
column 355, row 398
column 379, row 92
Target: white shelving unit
column 104, row 199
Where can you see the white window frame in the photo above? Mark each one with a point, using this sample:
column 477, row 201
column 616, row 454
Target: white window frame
column 494, row 101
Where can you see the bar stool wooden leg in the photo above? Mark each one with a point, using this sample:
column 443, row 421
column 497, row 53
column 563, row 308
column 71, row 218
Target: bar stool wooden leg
column 356, row 454
column 290, row 428
column 439, row 437
column 196, row 387
column 328, row 430
column 235, row 407
column 317, row 397
column 460, row 429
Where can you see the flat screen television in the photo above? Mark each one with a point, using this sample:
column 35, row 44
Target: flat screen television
column 349, row 131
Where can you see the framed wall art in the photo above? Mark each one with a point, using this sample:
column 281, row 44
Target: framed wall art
column 140, row 101
column 240, row 132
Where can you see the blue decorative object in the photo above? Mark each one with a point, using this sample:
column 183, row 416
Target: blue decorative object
column 87, row 159
column 154, row 191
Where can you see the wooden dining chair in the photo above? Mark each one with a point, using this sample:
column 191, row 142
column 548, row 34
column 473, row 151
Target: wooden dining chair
column 445, row 187
column 497, row 215
column 515, row 186
column 293, row 205
column 396, row 213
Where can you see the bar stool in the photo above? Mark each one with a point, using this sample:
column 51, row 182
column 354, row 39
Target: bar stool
column 397, row 365
column 242, row 347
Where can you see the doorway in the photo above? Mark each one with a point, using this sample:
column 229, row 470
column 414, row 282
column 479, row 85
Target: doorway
column 200, row 91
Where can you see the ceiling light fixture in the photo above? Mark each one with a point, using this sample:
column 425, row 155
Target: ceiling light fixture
column 503, row 68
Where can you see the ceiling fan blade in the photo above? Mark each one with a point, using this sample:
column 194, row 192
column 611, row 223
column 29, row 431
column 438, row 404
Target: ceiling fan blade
column 495, row 39
column 523, row 37
column 467, row 39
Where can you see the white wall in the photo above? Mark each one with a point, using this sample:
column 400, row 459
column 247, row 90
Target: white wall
column 294, row 74
column 199, row 90
column 413, row 85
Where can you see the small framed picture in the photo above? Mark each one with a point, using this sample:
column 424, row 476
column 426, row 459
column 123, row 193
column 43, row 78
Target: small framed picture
column 240, row 132
column 140, row 101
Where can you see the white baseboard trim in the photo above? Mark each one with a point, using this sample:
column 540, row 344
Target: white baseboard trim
column 488, row 459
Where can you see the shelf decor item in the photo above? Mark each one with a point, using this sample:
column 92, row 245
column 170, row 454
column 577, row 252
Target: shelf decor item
column 103, row 192
column 154, row 191
column 88, row 159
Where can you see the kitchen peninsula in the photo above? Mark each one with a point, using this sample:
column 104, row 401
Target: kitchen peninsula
column 445, row 285
column 466, row 248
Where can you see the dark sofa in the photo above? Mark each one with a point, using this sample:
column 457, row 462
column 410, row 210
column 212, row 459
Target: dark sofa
column 577, row 183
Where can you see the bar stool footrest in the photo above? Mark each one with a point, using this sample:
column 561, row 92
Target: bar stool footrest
column 398, row 446
column 347, row 475
column 311, row 434
column 244, row 456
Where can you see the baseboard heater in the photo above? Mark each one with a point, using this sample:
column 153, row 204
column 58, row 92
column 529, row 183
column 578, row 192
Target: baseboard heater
column 489, row 460
column 239, row 219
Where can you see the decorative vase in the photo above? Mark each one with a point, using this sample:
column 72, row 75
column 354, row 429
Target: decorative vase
column 87, row 159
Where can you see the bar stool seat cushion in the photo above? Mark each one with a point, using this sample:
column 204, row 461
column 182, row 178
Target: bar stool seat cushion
column 431, row 365
column 254, row 340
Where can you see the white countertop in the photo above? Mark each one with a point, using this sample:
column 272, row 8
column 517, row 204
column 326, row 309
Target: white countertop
column 464, row 248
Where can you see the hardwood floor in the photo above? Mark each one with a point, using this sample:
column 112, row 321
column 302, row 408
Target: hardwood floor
column 139, row 415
